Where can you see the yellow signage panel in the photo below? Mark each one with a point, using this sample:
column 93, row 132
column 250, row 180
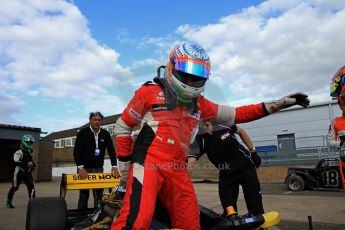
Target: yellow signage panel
column 93, row 181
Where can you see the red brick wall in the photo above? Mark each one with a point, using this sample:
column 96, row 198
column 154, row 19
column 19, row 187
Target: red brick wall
column 43, row 156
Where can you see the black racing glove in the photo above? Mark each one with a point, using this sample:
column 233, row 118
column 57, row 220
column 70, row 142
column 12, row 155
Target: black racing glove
column 342, row 154
column 287, row 101
column 32, row 166
column 342, row 139
column 256, row 159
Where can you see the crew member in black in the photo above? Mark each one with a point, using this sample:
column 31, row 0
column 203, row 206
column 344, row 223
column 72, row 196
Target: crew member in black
column 23, row 159
column 89, row 151
column 237, row 166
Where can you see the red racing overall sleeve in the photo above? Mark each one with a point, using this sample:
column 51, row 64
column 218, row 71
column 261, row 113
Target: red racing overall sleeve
column 228, row 115
column 130, row 118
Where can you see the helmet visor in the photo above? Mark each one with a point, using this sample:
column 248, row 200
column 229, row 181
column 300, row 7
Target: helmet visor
column 189, row 79
column 27, row 144
column 188, row 66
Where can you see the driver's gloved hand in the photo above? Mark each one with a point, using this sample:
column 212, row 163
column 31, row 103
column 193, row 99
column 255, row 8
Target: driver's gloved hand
column 342, row 153
column 256, row 159
column 120, row 192
column 287, row 101
column 342, row 139
column 124, row 171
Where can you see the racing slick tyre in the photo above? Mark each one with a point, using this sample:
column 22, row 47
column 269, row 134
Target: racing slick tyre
column 295, row 183
column 46, row 213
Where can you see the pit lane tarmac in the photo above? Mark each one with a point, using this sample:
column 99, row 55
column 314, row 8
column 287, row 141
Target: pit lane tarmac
column 326, row 208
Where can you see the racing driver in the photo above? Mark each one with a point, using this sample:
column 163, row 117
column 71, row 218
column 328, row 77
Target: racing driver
column 170, row 109
column 336, row 134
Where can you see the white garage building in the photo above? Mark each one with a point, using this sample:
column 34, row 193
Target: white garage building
column 295, row 132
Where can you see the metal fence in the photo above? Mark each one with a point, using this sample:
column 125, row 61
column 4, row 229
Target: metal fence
column 305, row 150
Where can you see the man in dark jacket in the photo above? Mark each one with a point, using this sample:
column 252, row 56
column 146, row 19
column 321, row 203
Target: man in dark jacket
column 237, row 165
column 89, row 151
column 23, row 159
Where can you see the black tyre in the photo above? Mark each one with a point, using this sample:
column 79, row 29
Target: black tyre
column 46, row 213
column 295, row 183
column 210, row 219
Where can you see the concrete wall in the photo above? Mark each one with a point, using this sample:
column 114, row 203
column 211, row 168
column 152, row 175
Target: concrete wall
column 269, row 173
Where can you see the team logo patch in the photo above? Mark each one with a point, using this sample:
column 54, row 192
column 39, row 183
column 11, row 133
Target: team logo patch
column 179, row 51
column 159, row 108
column 224, row 136
column 134, row 114
column 161, row 96
column 195, row 115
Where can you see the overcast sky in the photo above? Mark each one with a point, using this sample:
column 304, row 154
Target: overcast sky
column 59, row 60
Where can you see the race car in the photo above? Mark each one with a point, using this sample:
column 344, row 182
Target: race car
column 325, row 176
column 51, row 212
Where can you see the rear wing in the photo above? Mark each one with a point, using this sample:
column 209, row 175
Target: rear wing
column 93, row 181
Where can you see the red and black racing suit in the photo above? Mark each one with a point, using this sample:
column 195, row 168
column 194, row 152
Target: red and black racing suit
column 336, row 136
column 158, row 160
column 22, row 172
column 235, row 166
